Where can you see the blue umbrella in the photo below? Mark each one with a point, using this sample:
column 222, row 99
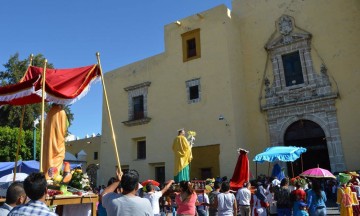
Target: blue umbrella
column 280, row 153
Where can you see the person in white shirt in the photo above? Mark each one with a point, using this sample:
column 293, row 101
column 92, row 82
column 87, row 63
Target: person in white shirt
column 243, row 198
column 154, row 196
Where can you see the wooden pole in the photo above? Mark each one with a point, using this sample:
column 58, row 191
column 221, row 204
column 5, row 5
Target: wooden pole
column 292, row 169
column 19, row 142
column 302, row 164
column 42, row 117
column 109, row 113
column 20, row 129
column 269, row 170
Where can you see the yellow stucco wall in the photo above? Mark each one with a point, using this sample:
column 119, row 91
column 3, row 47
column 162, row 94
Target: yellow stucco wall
column 231, row 70
column 335, row 27
column 89, row 145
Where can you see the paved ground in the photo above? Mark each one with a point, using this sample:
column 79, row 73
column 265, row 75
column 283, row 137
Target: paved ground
column 332, row 208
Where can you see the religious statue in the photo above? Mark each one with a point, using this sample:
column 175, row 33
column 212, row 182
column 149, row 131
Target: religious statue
column 56, row 124
column 182, row 156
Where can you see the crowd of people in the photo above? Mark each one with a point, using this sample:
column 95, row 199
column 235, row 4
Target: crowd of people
column 262, row 197
column 124, row 195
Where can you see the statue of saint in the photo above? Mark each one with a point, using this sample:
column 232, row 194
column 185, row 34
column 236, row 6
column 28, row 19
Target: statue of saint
column 56, row 124
column 182, row 157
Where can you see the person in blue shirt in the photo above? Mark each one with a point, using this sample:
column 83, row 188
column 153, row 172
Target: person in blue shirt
column 316, row 199
column 302, row 209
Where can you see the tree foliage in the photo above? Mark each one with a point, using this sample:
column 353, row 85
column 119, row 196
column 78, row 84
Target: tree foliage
column 9, row 141
column 14, row 71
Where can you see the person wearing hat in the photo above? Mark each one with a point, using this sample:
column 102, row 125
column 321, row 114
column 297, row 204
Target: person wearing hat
column 344, row 195
column 355, row 189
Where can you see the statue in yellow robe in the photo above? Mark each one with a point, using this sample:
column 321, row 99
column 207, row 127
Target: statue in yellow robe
column 54, row 139
column 182, row 157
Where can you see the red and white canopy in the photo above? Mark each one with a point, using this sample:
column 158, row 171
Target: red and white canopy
column 62, row 86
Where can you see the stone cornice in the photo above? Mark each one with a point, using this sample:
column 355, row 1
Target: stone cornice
column 142, row 121
column 137, row 86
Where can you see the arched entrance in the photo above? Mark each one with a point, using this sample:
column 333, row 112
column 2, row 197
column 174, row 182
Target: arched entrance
column 307, row 134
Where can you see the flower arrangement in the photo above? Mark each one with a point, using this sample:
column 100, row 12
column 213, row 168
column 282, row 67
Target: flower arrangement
column 191, row 137
column 80, row 180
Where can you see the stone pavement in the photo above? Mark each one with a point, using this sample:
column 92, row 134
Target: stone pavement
column 332, row 208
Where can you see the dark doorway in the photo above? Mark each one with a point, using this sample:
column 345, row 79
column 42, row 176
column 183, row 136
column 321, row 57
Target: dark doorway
column 307, row 134
column 160, row 174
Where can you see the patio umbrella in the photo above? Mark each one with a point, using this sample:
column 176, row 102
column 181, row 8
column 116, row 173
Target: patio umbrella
column 153, row 182
column 9, row 177
column 317, row 173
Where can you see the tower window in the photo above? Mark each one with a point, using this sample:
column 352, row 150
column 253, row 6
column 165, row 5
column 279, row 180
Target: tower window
column 191, row 45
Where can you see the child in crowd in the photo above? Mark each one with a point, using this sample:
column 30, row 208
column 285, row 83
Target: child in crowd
column 302, row 210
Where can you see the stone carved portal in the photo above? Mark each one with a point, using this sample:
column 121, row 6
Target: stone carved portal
column 307, row 134
column 312, row 100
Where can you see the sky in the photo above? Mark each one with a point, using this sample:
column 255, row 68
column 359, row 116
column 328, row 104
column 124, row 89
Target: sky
column 69, row 33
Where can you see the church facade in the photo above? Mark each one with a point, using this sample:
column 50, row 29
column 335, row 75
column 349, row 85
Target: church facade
column 265, row 73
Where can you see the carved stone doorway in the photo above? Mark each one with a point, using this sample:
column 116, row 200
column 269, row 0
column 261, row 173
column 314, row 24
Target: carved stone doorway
column 307, row 134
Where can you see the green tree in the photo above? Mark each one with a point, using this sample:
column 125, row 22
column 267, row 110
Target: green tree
column 14, row 71
column 9, row 140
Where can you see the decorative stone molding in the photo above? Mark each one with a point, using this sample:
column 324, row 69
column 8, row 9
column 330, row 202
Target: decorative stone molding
column 312, row 100
column 134, row 91
column 322, row 113
column 138, row 86
column 131, row 123
column 191, row 83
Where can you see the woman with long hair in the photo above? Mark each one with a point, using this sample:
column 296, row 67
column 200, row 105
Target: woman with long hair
column 186, row 200
column 316, row 199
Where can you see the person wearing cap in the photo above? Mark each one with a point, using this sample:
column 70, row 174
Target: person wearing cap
column 154, row 196
column 302, row 210
column 15, row 195
column 182, row 157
